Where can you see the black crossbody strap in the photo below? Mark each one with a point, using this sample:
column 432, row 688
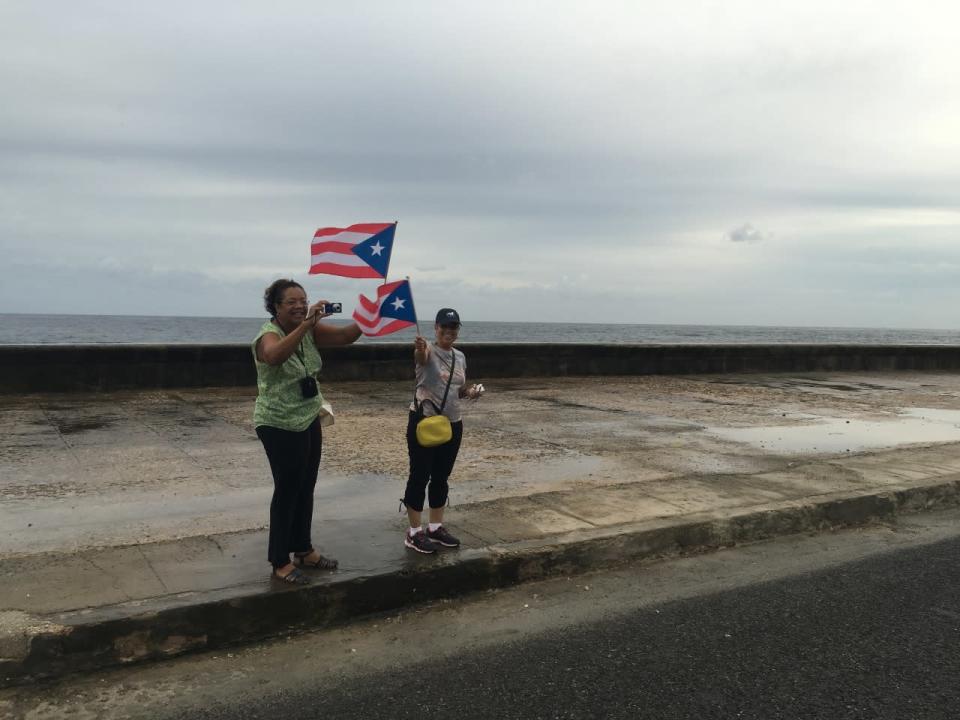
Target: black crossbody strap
column 418, row 406
column 453, row 364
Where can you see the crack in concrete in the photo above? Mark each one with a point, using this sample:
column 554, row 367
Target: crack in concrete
column 219, row 546
column 66, row 444
column 139, row 419
column 152, row 569
column 114, row 580
column 540, row 500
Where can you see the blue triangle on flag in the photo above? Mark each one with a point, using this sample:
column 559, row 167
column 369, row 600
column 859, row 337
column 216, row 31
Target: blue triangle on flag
column 399, row 304
column 375, row 250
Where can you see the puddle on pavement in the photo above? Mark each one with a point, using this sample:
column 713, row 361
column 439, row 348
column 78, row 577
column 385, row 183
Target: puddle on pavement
column 356, row 496
column 836, row 435
column 367, row 495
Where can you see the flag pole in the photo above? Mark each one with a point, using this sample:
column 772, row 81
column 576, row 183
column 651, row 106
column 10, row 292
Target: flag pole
column 416, row 318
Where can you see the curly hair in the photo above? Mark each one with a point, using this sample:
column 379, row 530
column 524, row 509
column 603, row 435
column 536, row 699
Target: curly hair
column 274, row 293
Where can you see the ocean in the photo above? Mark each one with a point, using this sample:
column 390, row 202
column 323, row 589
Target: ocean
column 84, row 329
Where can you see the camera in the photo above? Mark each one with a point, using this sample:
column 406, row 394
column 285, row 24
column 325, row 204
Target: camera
column 332, row 307
column 308, row 387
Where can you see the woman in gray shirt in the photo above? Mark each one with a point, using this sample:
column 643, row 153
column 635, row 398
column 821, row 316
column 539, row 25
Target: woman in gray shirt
column 430, row 467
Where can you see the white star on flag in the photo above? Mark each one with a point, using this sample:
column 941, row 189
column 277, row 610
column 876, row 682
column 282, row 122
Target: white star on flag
column 389, row 312
column 376, row 249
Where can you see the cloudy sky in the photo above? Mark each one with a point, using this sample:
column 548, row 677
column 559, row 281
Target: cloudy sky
column 656, row 162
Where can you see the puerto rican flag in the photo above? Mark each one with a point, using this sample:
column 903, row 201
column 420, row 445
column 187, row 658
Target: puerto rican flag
column 358, row 251
column 392, row 311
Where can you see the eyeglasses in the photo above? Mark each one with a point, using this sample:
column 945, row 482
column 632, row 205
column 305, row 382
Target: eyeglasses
column 450, row 328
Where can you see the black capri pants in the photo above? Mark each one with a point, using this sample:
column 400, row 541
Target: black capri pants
column 430, row 468
column 294, row 461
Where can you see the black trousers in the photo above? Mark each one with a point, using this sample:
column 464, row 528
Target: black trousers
column 294, row 461
column 430, row 468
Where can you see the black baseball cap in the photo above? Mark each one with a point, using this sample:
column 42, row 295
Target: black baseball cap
column 448, row 316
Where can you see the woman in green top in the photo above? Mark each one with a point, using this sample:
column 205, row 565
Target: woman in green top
column 287, row 421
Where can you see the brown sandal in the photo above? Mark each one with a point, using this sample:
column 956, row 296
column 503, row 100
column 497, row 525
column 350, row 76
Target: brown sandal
column 294, row 577
column 321, row 563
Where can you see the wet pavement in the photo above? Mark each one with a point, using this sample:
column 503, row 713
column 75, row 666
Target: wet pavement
column 836, row 435
column 87, row 471
column 124, row 502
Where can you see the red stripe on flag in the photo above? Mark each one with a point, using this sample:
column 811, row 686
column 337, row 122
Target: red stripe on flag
column 365, row 322
column 389, row 288
column 392, row 327
column 351, row 271
column 337, row 246
column 366, row 326
column 365, row 228
column 369, row 305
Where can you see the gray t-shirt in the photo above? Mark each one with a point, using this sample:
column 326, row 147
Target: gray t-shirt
column 432, row 381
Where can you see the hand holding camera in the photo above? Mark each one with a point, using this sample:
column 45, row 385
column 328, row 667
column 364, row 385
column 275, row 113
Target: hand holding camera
column 322, row 309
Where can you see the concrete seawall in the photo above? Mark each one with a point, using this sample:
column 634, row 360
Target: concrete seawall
column 69, row 368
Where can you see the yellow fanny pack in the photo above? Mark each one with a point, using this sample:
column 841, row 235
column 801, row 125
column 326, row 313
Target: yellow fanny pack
column 436, row 429
column 433, row 431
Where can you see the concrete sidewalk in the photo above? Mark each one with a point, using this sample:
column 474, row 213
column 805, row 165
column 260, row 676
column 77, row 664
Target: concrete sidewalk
column 137, row 518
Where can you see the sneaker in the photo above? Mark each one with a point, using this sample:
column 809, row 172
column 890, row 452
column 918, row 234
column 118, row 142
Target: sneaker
column 442, row 537
column 419, row 542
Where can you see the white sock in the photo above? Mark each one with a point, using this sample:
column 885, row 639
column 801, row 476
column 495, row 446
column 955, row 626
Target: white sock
column 434, row 526
column 414, row 530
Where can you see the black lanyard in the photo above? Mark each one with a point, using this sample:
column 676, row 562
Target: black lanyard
column 303, row 360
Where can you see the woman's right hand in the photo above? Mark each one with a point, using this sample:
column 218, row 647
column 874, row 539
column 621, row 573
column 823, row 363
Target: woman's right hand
column 420, row 350
column 316, row 312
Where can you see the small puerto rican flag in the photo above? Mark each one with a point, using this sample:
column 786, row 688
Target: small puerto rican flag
column 392, row 311
column 358, row 251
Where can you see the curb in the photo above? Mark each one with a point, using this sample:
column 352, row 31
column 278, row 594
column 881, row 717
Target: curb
column 44, row 647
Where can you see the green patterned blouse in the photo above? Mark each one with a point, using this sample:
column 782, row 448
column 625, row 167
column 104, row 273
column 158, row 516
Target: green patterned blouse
column 280, row 402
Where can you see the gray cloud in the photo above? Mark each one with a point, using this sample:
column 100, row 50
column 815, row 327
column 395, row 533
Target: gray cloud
column 195, row 147
column 747, row 233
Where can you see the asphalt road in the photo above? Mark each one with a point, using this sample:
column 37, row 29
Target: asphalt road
column 862, row 624
column 873, row 639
